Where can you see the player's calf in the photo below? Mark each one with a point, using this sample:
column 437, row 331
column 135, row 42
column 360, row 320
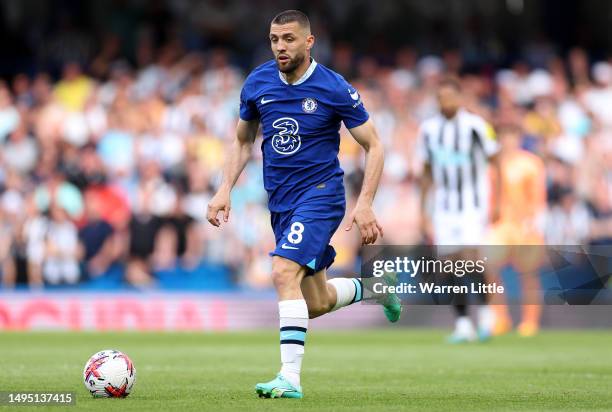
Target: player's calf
column 319, row 307
column 324, row 296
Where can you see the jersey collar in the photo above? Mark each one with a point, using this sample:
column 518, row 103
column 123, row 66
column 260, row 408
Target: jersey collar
column 305, row 76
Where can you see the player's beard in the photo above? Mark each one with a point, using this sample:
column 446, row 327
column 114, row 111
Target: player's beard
column 292, row 65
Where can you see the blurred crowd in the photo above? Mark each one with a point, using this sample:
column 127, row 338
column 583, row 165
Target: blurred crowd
column 113, row 163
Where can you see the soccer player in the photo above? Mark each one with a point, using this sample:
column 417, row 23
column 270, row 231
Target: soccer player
column 522, row 207
column 300, row 104
column 456, row 147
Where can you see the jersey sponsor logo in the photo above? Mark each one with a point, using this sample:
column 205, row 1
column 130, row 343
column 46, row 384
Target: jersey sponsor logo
column 286, row 246
column 264, row 101
column 309, row 105
column 286, row 140
column 449, row 157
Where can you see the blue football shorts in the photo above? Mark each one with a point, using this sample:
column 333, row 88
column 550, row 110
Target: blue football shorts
column 303, row 233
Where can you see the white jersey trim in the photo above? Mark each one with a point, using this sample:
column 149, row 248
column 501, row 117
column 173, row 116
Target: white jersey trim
column 305, row 76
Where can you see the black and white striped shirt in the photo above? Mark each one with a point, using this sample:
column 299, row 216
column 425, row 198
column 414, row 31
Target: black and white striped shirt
column 458, row 150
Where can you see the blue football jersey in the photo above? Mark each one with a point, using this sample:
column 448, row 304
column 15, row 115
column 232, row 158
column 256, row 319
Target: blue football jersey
column 300, row 123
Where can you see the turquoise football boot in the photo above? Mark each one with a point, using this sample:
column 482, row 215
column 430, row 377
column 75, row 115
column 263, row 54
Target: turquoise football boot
column 392, row 305
column 279, row 387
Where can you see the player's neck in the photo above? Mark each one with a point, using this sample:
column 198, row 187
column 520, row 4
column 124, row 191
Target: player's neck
column 299, row 71
column 450, row 115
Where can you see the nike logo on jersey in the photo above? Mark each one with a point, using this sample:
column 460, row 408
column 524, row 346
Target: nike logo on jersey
column 354, row 95
column 286, row 246
column 264, row 101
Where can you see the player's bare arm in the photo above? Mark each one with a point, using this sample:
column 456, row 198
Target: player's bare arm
column 425, row 183
column 362, row 214
column 238, row 156
column 495, row 163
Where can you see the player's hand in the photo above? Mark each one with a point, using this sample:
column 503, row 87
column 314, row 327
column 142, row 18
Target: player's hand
column 219, row 202
column 369, row 228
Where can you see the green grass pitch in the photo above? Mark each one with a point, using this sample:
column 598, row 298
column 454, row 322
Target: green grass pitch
column 390, row 369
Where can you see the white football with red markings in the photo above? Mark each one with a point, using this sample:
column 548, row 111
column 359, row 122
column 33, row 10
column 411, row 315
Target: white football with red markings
column 109, row 374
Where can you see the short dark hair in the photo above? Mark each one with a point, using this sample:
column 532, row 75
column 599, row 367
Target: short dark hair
column 289, row 16
column 451, row 82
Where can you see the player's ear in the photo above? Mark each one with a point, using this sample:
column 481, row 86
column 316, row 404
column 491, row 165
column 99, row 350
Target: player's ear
column 310, row 40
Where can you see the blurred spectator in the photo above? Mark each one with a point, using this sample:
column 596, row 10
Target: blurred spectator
column 598, row 99
column 61, row 248
column 99, row 242
column 20, row 151
column 116, row 146
column 11, row 204
column 24, row 97
column 73, row 90
column 34, row 236
column 600, row 207
column 9, row 116
column 542, row 125
column 58, row 190
column 568, row 220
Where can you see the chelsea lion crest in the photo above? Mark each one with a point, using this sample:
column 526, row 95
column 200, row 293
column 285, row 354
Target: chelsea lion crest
column 309, row 105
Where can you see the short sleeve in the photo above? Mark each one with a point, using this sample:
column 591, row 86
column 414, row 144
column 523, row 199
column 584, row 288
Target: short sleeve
column 485, row 134
column 248, row 109
column 349, row 106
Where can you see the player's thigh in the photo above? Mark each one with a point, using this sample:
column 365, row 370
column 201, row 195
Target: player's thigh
column 497, row 251
column 529, row 254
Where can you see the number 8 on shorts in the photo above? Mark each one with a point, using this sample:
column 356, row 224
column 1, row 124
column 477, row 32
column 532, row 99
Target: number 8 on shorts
column 295, row 235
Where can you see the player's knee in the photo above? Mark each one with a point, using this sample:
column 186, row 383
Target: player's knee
column 284, row 279
column 281, row 280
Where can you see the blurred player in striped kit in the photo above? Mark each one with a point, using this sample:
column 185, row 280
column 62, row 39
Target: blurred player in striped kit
column 456, row 148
